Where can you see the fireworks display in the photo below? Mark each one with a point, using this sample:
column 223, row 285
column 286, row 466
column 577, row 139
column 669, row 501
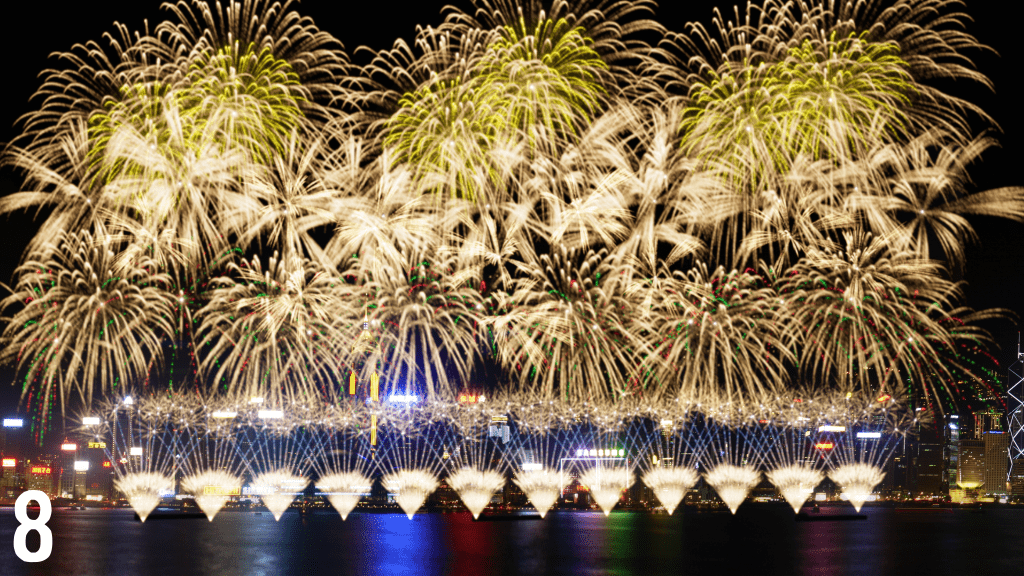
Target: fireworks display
column 218, row 452
column 686, row 252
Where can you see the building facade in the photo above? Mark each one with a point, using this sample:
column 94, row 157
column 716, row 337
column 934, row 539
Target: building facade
column 1015, row 428
column 971, row 469
column 996, row 462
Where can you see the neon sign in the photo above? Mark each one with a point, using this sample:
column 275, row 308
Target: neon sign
column 40, row 469
column 9, row 463
column 69, row 447
column 824, row 445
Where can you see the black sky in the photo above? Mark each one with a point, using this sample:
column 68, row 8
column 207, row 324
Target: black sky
column 995, row 269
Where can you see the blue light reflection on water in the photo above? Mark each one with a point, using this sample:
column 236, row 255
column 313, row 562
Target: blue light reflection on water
column 759, row 541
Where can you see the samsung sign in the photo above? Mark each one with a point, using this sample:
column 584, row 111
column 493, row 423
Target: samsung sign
column 12, row 422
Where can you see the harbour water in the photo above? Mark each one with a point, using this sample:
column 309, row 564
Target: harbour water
column 760, row 540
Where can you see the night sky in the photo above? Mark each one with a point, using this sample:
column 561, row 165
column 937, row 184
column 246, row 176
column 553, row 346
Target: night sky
column 995, row 268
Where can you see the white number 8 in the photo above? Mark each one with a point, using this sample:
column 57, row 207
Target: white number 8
column 28, row 525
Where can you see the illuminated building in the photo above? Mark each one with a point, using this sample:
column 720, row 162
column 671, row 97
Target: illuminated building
column 99, row 479
column 988, row 421
column 996, row 462
column 1017, row 478
column 1015, row 416
column 11, row 478
column 81, row 479
column 66, row 478
column 898, row 472
column 928, row 462
column 12, row 440
column 952, row 456
column 39, row 475
column 971, row 470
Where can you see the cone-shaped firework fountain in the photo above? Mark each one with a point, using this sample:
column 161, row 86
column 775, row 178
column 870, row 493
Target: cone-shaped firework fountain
column 857, row 481
column 671, row 484
column 733, row 483
column 277, row 489
column 412, row 487
column 211, row 489
column 796, row 482
column 476, row 487
column 542, row 487
column 344, row 489
column 606, row 484
column 143, row 490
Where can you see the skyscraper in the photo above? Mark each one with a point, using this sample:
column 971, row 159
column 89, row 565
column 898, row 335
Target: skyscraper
column 996, row 462
column 929, row 460
column 952, row 449
column 971, row 472
column 1015, row 416
column 68, row 456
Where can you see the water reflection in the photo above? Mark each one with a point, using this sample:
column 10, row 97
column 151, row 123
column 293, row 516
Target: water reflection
column 758, row 540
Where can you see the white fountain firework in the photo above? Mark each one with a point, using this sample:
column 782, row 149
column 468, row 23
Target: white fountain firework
column 344, row 490
column 542, row 487
column 733, row 483
column 143, row 490
column 277, row 489
column 671, row 484
column 211, row 489
column 796, row 482
column 857, row 481
column 476, row 487
column 606, row 484
column 412, row 488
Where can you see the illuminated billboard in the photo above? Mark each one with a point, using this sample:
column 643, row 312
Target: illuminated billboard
column 40, row 469
column 97, row 444
column 222, row 490
column 135, row 451
column 259, row 490
column 831, row 428
column 12, row 422
column 81, row 465
column 69, row 447
column 9, row 463
column 90, row 421
column 602, row 452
